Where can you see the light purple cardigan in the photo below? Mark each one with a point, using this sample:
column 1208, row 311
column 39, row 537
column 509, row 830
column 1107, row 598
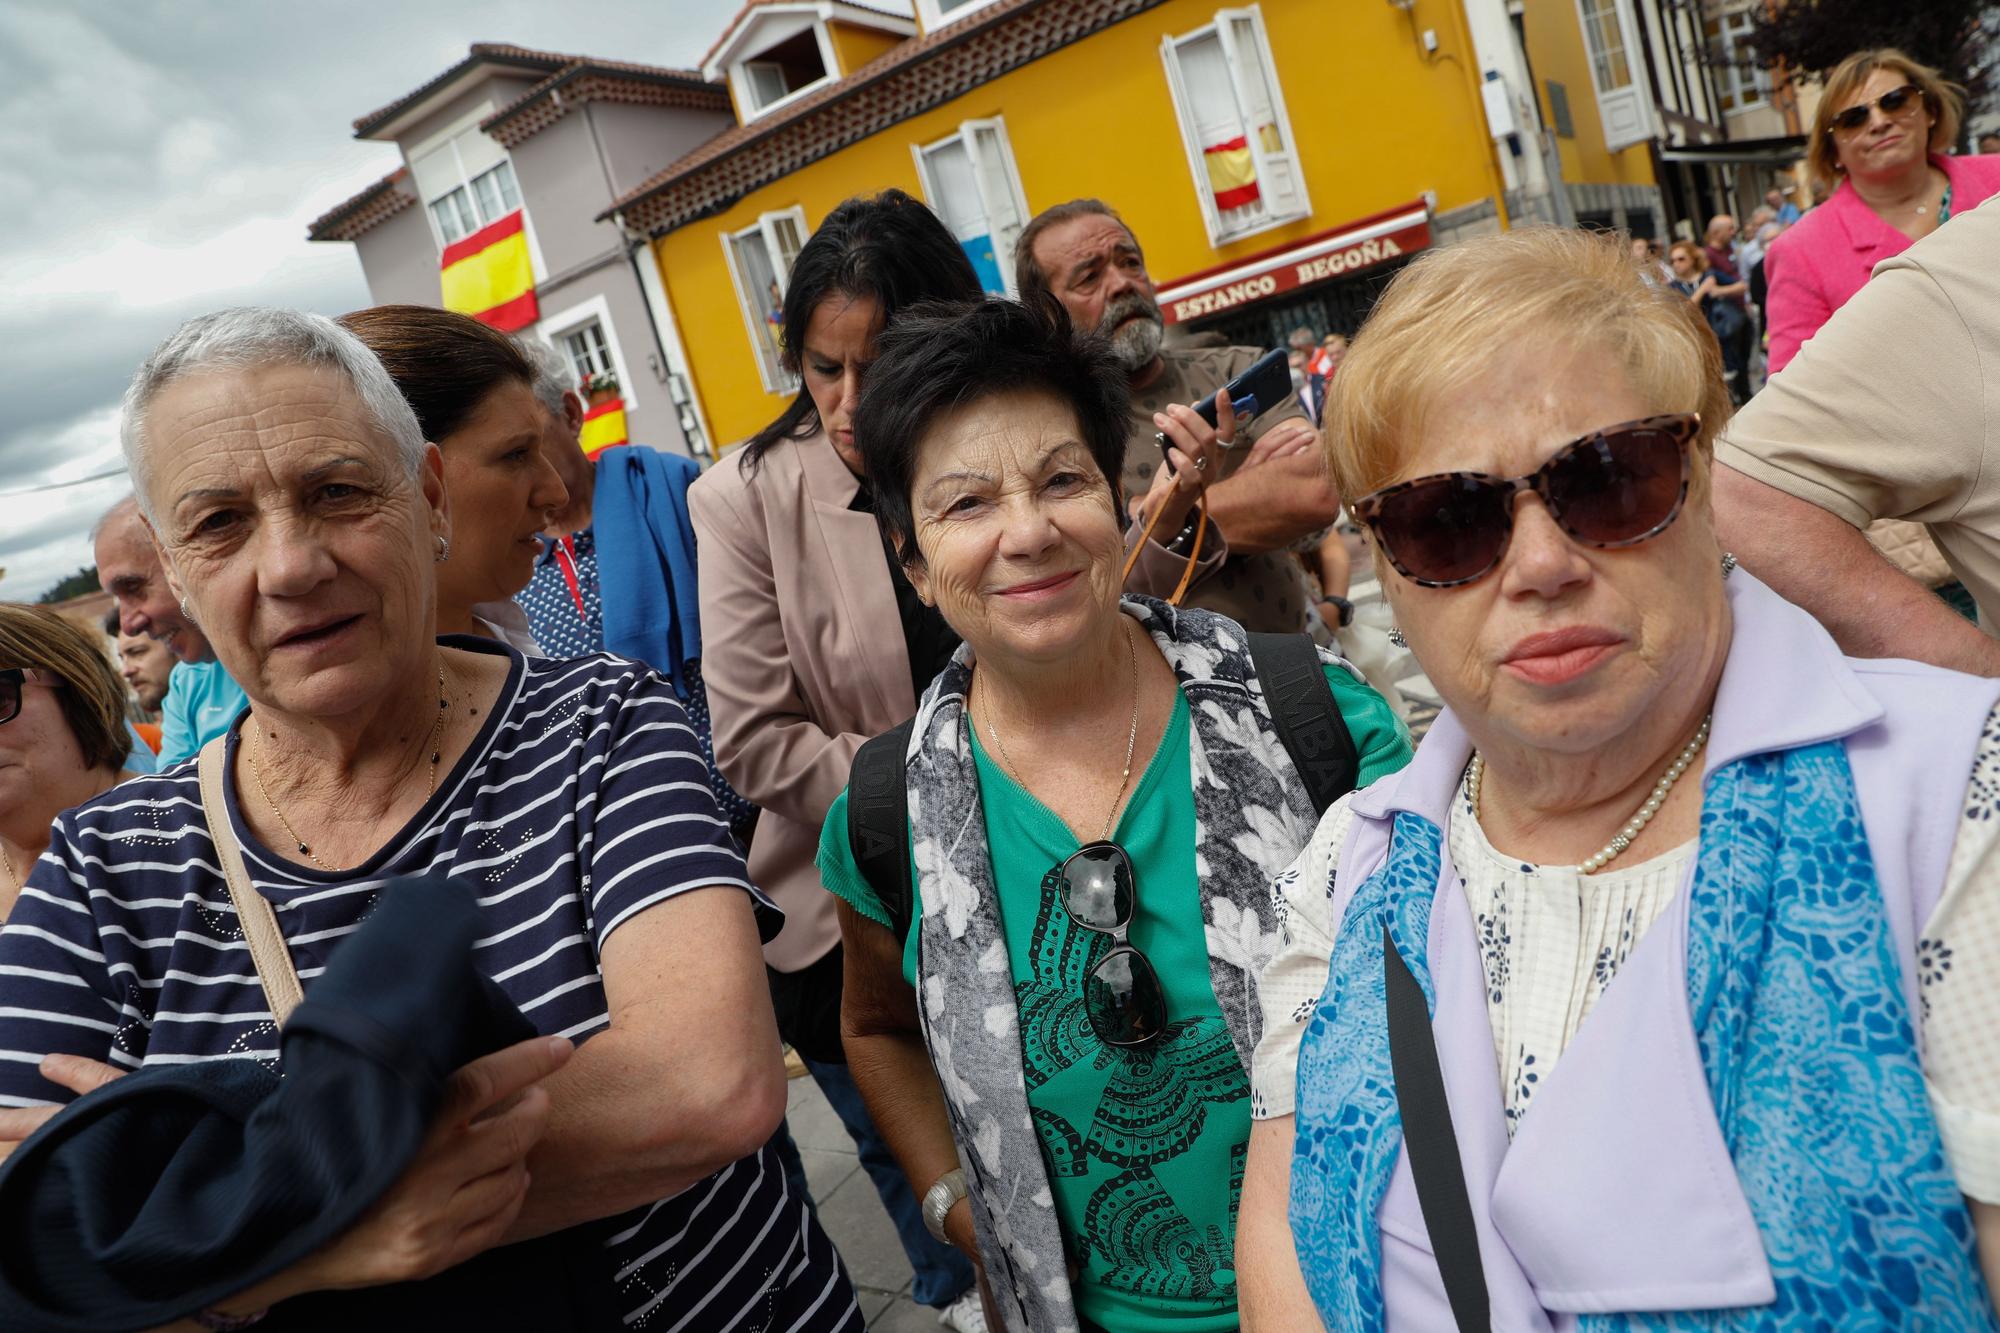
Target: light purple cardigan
column 1618, row 1193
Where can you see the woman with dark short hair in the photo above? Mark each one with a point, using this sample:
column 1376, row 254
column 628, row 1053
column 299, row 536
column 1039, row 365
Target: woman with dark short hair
column 1055, row 1030
column 62, row 733
column 813, row 639
column 474, row 395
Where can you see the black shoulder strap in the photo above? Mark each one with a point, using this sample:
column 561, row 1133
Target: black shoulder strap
column 1433, row 1146
column 878, row 820
column 1307, row 717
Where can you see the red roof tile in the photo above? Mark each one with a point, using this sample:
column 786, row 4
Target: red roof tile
column 912, row 77
column 519, row 57
column 587, row 80
column 367, row 210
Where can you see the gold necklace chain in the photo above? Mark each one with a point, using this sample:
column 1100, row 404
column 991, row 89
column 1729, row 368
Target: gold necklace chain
column 13, row 875
column 1131, row 740
column 430, row 789
column 1475, row 775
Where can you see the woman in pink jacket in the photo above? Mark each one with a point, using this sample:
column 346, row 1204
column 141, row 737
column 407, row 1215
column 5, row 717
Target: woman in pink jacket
column 1883, row 124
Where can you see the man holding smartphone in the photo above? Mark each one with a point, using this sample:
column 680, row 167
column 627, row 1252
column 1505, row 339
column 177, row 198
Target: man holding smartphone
column 1273, row 493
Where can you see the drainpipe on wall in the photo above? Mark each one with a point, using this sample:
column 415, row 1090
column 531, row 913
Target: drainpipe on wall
column 672, row 357
column 667, row 337
column 1514, row 114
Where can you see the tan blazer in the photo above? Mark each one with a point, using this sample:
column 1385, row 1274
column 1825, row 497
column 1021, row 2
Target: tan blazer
column 803, row 656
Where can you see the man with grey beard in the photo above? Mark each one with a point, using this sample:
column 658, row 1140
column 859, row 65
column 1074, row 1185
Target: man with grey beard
column 1273, row 492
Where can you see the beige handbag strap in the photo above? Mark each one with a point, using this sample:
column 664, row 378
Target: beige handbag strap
column 260, row 923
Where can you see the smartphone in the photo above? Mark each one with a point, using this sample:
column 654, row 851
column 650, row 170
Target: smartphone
column 1263, row 386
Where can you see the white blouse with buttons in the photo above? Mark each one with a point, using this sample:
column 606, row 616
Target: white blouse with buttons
column 1552, row 939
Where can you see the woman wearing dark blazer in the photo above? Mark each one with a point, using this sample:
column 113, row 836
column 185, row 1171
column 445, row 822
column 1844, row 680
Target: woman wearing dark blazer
column 814, row 642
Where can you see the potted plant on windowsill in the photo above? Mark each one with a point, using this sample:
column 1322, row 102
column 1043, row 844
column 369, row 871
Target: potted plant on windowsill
column 600, row 387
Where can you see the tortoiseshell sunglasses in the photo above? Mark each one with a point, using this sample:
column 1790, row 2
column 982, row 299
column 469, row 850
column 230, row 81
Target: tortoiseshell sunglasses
column 1615, row 487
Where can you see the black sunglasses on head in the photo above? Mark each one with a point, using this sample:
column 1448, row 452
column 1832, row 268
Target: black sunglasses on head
column 1615, row 487
column 1122, row 997
column 1893, row 103
column 11, row 681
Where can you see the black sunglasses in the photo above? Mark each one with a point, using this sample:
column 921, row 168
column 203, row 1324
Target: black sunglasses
column 1122, row 997
column 11, row 681
column 1891, row 102
column 1615, row 487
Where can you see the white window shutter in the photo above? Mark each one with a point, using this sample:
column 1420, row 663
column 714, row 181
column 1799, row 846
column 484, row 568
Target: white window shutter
column 1611, row 41
column 1001, row 197
column 1191, row 132
column 1268, row 130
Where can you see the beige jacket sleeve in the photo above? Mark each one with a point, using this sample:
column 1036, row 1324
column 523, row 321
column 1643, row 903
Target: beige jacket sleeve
column 1158, row 570
column 766, row 743
column 1882, row 414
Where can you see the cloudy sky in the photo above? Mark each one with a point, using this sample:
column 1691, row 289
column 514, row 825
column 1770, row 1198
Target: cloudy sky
column 162, row 159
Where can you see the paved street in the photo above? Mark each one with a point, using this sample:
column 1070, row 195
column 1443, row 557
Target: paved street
column 853, row 1216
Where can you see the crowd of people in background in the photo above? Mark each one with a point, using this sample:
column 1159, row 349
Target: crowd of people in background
column 994, row 733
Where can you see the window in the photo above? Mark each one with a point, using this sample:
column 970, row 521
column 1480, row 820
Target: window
column 969, row 180
column 1602, row 34
column 1739, row 83
column 587, row 350
column 1233, row 121
column 465, row 179
column 466, row 208
column 791, row 66
column 760, row 262
column 586, row 337
column 1621, row 98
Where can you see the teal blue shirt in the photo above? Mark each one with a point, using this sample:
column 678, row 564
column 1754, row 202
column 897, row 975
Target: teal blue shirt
column 202, row 700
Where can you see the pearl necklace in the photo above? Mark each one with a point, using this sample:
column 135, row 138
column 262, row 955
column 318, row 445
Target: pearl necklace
column 1131, row 741
column 437, row 727
column 1475, row 773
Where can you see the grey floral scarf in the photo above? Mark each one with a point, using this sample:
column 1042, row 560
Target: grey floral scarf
column 1252, row 818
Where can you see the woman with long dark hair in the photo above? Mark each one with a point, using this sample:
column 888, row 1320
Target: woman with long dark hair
column 815, row 641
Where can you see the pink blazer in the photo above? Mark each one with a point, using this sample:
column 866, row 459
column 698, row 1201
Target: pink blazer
column 803, row 657
column 1823, row 260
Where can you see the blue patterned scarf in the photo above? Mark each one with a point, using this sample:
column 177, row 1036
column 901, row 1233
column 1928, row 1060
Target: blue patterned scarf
column 1791, row 965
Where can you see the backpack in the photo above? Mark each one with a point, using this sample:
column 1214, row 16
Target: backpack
column 1302, row 707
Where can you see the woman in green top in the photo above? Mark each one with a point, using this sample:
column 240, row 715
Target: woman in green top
column 1098, row 801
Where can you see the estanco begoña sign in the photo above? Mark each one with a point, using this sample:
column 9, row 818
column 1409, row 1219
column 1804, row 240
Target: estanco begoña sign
column 1331, row 254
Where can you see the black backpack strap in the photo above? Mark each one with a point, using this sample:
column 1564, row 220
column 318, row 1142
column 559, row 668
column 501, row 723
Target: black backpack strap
column 1307, row 717
column 1433, row 1146
column 878, row 821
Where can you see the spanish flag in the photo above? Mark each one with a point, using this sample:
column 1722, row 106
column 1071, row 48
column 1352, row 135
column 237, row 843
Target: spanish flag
column 487, row 275
column 1232, row 173
column 603, row 426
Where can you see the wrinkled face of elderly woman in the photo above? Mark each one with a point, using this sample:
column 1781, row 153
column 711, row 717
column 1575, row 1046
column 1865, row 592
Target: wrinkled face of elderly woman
column 1015, row 523
column 292, row 527
column 1563, row 646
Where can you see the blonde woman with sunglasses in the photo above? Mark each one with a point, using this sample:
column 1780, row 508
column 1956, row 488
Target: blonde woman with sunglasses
column 1882, row 134
column 1657, row 991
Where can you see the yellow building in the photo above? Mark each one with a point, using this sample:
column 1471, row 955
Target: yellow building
column 1276, row 161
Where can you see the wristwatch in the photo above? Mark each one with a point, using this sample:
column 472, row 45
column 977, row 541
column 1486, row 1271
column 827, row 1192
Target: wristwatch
column 939, row 1199
column 1341, row 605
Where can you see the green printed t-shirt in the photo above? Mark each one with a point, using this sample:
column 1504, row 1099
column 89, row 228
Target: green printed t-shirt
column 1143, row 1148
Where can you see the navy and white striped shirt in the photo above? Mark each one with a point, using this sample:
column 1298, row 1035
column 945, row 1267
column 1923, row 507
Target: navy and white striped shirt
column 581, row 803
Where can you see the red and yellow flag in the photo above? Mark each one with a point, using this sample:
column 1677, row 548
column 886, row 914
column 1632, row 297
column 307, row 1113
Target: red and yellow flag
column 603, row 426
column 488, row 275
column 1232, row 173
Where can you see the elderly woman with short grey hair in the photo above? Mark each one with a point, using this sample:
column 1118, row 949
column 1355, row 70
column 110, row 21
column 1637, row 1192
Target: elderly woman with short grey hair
column 300, row 514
